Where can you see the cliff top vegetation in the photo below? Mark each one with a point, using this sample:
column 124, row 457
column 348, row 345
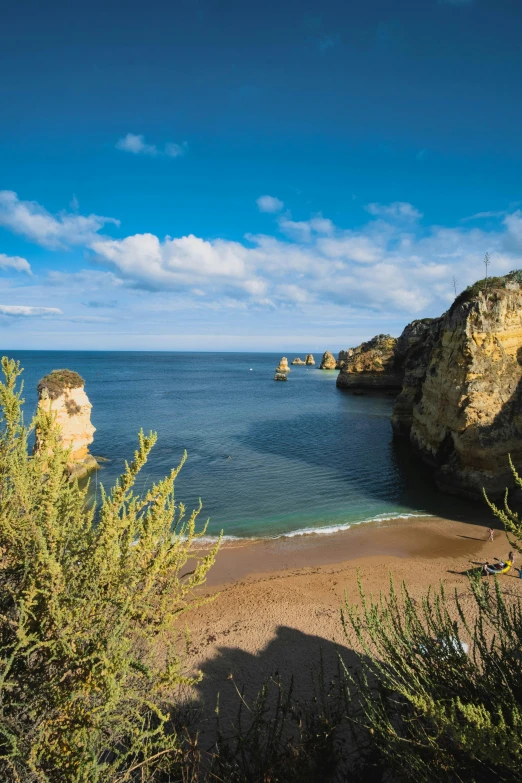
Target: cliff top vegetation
column 487, row 284
column 57, row 381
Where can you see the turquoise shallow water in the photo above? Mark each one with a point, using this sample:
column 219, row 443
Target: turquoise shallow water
column 303, row 455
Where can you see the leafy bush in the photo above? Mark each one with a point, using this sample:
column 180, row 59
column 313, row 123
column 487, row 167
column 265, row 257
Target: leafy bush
column 87, row 662
column 433, row 712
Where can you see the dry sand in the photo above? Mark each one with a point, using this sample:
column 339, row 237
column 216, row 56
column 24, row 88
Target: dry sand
column 278, row 602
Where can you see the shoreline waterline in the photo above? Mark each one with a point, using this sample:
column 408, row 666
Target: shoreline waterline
column 405, row 539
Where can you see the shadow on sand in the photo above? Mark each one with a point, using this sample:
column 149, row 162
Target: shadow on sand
column 290, row 653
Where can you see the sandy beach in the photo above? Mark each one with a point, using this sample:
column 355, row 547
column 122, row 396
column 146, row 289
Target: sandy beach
column 277, row 603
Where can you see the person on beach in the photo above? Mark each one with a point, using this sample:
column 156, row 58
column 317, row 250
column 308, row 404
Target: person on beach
column 501, row 566
column 490, row 534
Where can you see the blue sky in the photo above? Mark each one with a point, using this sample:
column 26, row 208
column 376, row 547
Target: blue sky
column 227, row 175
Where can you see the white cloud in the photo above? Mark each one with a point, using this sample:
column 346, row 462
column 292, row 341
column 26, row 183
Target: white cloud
column 32, row 221
column 136, row 144
column 173, row 150
column 398, row 210
column 15, row 262
column 269, row 204
column 485, row 215
column 303, row 230
column 25, row 310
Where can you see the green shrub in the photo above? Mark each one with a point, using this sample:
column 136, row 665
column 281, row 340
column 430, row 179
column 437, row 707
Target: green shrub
column 431, row 711
column 87, row 662
column 57, row 381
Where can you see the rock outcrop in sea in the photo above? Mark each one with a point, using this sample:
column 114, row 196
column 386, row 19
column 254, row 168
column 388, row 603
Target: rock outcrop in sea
column 283, row 365
column 280, row 376
column 328, row 362
column 62, row 392
column 379, row 363
column 461, row 401
column 371, row 365
column 309, row 359
column 298, row 361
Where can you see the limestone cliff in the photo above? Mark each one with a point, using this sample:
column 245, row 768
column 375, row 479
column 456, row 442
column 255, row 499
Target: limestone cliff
column 461, row 403
column 309, row 359
column 380, row 362
column 63, row 393
column 328, row 362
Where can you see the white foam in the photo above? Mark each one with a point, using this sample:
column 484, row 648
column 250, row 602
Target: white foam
column 322, row 531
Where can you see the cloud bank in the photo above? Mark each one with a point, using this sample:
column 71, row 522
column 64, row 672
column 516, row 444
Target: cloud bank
column 391, row 264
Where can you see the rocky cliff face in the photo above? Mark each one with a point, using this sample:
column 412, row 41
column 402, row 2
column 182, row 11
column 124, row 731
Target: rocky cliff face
column 461, row 401
column 309, row 359
column 63, row 393
column 328, row 362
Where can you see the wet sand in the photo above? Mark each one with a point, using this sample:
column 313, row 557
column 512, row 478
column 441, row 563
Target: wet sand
column 277, row 603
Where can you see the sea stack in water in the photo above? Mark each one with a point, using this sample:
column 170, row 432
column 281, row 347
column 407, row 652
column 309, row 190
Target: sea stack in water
column 309, row 359
column 280, row 376
column 62, row 392
column 283, row 365
column 298, row 361
column 328, row 362
column 461, row 401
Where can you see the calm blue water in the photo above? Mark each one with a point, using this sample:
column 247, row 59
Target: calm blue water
column 303, row 455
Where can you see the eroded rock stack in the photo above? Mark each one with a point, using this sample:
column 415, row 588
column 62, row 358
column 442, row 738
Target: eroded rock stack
column 283, row 365
column 298, row 361
column 309, row 359
column 328, row 362
column 62, row 392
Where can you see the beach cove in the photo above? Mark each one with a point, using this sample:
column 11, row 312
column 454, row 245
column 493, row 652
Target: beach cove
column 276, row 604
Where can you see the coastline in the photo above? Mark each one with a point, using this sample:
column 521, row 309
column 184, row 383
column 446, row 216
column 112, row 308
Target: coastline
column 277, row 603
column 411, row 536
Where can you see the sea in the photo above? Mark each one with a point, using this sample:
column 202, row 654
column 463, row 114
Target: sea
column 267, row 458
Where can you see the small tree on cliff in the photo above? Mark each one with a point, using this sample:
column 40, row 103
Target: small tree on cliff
column 84, row 685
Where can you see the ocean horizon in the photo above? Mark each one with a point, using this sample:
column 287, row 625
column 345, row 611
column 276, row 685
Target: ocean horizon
column 267, row 459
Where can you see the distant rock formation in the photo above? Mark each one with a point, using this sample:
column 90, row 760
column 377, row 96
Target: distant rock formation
column 328, row 362
column 63, row 393
column 298, row 361
column 280, row 376
column 379, row 363
column 461, row 402
column 309, row 359
column 283, row 365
